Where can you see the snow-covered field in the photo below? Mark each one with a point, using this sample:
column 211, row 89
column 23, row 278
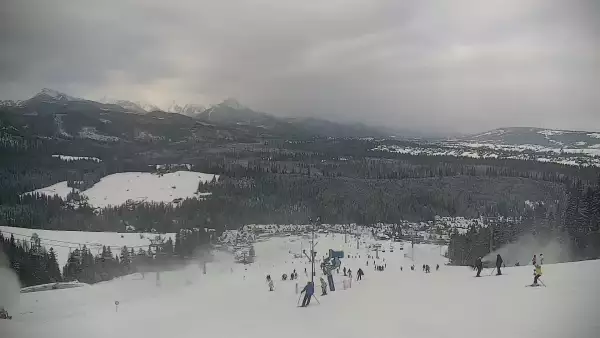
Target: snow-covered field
column 584, row 157
column 116, row 189
column 233, row 300
column 68, row 158
column 65, row 241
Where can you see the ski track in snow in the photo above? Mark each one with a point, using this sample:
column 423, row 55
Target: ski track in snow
column 392, row 303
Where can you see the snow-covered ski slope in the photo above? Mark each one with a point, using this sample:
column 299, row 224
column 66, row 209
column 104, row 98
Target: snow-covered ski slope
column 233, row 300
column 116, row 189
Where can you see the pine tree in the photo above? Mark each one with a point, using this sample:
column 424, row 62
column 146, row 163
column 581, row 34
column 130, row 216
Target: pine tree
column 53, row 269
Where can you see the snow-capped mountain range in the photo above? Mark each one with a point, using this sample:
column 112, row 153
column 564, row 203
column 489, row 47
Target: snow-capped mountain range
column 139, row 107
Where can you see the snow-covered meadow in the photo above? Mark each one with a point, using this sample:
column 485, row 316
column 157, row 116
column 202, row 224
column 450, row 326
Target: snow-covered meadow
column 119, row 188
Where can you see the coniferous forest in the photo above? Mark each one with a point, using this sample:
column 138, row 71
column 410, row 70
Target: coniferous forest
column 277, row 182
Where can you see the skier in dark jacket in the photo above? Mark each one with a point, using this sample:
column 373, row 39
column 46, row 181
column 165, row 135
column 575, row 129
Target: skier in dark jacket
column 479, row 266
column 359, row 274
column 498, row 265
column 344, row 271
column 308, row 291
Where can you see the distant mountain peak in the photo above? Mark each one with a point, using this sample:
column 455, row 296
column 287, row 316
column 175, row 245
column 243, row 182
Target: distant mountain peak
column 190, row 109
column 56, row 95
column 136, row 107
column 232, row 103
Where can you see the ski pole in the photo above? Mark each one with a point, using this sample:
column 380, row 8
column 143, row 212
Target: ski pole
column 542, row 282
column 491, row 273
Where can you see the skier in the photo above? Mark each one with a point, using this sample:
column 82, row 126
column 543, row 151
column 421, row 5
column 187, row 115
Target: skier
column 270, row 281
column 536, row 275
column 423, row 267
column 400, row 268
column 350, row 273
column 359, row 274
column 437, row 267
column 308, row 291
column 412, row 267
column 4, row 314
column 344, row 271
column 498, row 265
column 479, row 266
column 534, row 260
column 541, row 259
column 284, row 277
column 323, row 287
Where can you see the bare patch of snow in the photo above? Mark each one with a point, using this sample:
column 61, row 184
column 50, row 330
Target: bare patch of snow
column 68, row 158
column 594, row 135
column 92, row 134
column 59, row 189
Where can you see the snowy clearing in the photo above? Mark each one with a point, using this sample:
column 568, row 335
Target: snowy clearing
column 59, row 189
column 117, row 189
column 233, row 300
column 68, row 158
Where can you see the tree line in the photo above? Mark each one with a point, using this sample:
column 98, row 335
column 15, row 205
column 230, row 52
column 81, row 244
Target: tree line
column 34, row 264
column 574, row 223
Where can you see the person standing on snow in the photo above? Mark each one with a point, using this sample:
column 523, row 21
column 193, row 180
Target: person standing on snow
column 359, row 274
column 479, row 266
column 350, row 273
column 323, row 287
column 498, row 265
column 437, row 267
column 308, row 291
column 537, row 274
column 541, row 259
column 344, row 271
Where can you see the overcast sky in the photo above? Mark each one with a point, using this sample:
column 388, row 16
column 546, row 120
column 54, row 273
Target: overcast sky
column 428, row 65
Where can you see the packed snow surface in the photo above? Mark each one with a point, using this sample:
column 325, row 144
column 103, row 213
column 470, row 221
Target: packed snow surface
column 65, row 241
column 117, row 189
column 232, row 300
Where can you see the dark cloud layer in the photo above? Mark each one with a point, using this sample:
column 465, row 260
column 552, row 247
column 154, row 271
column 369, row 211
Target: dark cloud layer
column 431, row 65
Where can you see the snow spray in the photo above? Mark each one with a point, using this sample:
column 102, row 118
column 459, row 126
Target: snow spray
column 10, row 287
column 555, row 250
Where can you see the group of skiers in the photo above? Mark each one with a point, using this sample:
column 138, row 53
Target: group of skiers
column 537, row 272
column 479, row 265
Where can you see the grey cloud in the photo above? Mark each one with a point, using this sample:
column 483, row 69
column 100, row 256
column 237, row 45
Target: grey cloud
column 432, row 65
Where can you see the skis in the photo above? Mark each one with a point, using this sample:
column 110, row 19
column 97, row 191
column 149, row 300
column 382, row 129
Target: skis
column 535, row 285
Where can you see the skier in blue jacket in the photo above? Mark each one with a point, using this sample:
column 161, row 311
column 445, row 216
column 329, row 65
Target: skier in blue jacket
column 308, row 291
